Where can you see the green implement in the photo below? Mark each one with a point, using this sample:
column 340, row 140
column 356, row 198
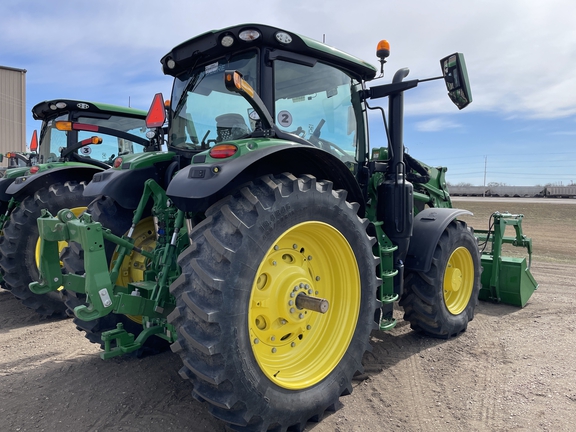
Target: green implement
column 506, row 279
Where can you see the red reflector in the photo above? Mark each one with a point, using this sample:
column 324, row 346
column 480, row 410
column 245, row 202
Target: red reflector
column 34, row 142
column 156, row 114
column 85, row 127
column 223, row 151
column 117, row 162
column 34, row 169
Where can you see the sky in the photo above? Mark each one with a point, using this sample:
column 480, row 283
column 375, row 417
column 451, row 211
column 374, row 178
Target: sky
column 520, row 54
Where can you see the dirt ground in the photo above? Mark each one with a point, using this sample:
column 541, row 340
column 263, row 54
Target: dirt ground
column 513, row 370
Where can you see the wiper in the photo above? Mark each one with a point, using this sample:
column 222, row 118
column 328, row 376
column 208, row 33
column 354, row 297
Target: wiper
column 189, row 87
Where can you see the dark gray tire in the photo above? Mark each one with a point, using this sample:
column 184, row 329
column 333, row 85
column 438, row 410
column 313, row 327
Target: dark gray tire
column 221, row 272
column 18, row 245
column 430, row 306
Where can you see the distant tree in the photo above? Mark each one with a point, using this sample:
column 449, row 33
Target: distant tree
column 495, row 184
column 461, row 184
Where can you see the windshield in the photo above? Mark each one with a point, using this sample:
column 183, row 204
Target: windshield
column 53, row 141
column 317, row 103
column 112, row 146
column 203, row 112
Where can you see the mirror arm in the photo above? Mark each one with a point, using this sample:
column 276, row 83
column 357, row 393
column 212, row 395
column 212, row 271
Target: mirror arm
column 432, row 79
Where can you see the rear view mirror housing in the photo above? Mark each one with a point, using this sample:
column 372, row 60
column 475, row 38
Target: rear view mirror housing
column 456, row 79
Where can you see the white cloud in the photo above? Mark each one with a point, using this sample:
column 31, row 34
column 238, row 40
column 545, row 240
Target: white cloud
column 436, row 125
column 520, row 55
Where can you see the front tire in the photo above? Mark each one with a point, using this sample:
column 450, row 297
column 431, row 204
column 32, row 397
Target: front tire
column 441, row 301
column 258, row 359
column 18, row 245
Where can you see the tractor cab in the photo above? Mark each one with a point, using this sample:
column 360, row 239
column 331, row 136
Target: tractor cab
column 310, row 93
column 88, row 132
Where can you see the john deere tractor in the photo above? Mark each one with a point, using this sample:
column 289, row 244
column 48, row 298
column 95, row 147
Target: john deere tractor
column 295, row 234
column 17, row 160
column 77, row 139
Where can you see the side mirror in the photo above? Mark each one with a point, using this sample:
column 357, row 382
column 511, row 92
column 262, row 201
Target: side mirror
column 456, row 78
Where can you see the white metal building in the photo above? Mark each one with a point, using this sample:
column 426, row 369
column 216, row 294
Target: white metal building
column 12, row 110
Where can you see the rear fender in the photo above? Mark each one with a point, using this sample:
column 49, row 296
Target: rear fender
column 123, row 186
column 429, row 225
column 126, row 185
column 4, row 184
column 200, row 185
column 27, row 185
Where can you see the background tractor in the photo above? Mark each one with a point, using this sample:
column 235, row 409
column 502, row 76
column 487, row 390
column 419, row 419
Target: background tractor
column 295, row 235
column 77, row 139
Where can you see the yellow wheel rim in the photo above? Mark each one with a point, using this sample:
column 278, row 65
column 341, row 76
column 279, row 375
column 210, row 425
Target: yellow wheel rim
column 134, row 265
column 61, row 244
column 296, row 347
column 458, row 280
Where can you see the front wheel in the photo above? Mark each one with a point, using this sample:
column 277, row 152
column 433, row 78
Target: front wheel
column 251, row 331
column 441, row 301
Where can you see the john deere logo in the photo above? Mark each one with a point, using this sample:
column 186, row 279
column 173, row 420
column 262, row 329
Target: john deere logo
column 83, row 106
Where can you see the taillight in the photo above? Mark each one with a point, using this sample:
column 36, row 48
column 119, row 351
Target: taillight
column 117, row 162
column 223, row 151
column 34, row 169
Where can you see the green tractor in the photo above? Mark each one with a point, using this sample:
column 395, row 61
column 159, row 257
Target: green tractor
column 17, row 160
column 77, row 140
column 295, row 237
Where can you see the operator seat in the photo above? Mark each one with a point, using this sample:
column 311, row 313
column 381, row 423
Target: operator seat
column 230, row 127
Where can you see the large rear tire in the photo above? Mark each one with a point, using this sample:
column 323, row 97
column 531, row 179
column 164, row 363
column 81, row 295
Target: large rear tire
column 441, row 301
column 18, row 245
column 252, row 353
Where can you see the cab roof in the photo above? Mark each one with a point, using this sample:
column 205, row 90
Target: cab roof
column 55, row 107
column 208, row 46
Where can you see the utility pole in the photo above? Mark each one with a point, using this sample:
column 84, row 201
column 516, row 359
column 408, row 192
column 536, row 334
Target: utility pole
column 484, row 188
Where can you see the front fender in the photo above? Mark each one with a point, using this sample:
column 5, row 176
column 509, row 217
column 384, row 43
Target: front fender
column 27, row 185
column 429, row 225
column 198, row 186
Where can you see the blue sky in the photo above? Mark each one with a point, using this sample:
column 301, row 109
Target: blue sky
column 520, row 54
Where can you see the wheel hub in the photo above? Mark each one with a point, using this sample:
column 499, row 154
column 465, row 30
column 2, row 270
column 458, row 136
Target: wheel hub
column 454, row 279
